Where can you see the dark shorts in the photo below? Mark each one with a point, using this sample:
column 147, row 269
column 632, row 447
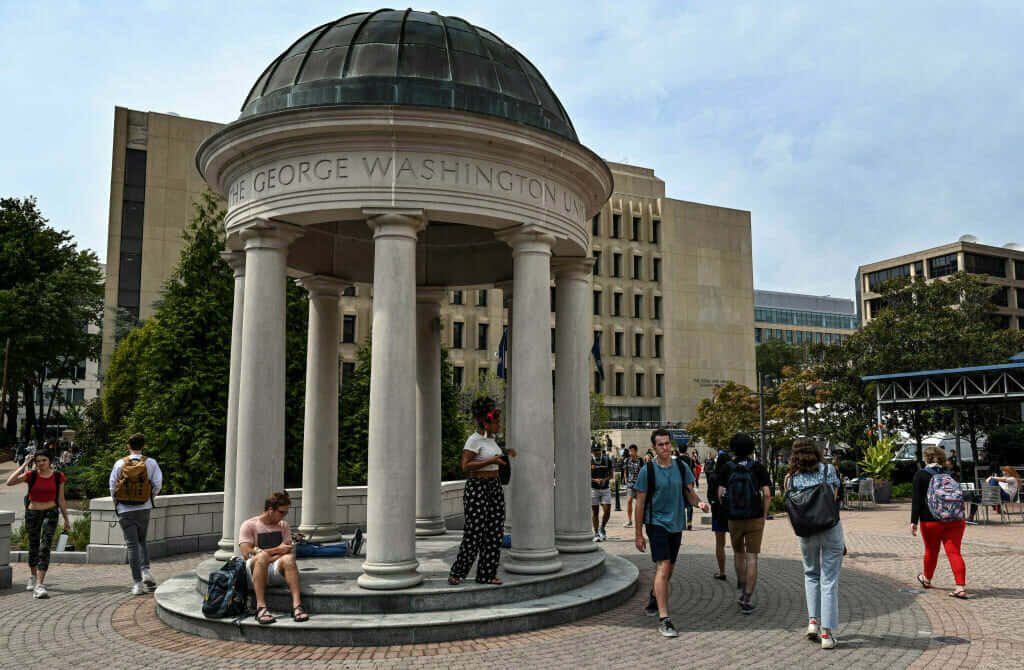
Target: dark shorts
column 719, row 518
column 664, row 545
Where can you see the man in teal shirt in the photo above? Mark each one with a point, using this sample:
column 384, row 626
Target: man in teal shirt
column 664, row 520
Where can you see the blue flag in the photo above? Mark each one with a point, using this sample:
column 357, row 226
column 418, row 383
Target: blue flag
column 502, row 352
column 596, row 351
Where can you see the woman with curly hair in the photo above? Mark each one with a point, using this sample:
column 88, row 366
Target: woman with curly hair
column 934, row 532
column 483, row 502
column 823, row 551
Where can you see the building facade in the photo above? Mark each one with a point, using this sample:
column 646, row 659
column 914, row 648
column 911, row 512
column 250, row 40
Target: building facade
column 795, row 318
column 672, row 286
column 1001, row 266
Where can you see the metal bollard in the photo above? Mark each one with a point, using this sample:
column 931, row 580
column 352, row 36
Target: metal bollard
column 618, row 501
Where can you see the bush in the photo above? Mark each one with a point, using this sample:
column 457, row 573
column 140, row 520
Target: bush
column 903, row 490
column 79, row 535
column 778, row 504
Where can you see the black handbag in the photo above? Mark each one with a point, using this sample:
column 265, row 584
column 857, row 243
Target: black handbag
column 812, row 510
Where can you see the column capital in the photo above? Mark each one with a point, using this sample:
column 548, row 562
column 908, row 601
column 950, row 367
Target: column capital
column 395, row 221
column 579, row 268
column 322, row 285
column 527, row 238
column 430, row 295
column 236, row 260
column 266, row 234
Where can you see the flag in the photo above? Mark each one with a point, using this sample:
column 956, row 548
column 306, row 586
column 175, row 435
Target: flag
column 502, row 352
column 596, row 351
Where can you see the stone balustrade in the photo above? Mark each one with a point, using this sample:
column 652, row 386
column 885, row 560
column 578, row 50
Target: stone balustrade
column 6, row 520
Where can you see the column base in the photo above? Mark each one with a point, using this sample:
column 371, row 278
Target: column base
column 575, row 542
column 433, row 525
column 323, row 533
column 389, row 576
column 225, row 549
column 532, row 561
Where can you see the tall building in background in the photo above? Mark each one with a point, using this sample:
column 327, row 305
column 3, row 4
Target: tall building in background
column 795, row 318
column 1002, row 266
column 673, row 280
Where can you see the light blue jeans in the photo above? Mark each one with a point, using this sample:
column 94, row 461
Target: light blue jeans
column 823, row 558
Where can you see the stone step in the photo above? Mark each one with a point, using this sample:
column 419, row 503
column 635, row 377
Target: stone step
column 180, row 606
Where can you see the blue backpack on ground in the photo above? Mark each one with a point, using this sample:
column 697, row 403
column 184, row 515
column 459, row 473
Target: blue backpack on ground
column 945, row 498
column 742, row 496
column 227, row 591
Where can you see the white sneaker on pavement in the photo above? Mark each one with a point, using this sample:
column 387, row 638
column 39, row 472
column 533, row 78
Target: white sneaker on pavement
column 138, row 589
column 30, row 584
column 828, row 641
column 628, row 524
column 813, row 630
column 148, row 580
column 40, row 592
column 604, row 535
column 597, row 537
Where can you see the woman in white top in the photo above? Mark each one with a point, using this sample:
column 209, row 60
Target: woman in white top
column 483, row 502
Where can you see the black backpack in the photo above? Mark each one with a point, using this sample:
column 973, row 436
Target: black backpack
column 227, row 591
column 652, row 484
column 742, row 496
column 814, row 509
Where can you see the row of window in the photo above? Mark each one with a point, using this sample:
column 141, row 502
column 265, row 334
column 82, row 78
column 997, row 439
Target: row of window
column 947, row 264
column 618, row 338
column 1000, row 298
column 794, row 317
column 636, row 230
column 638, row 304
column 638, row 265
column 640, row 389
column 797, row 336
column 481, row 298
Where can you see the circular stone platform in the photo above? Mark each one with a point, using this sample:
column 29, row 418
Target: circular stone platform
column 344, row 614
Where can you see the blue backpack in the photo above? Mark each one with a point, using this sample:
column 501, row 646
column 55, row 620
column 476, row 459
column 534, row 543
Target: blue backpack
column 227, row 591
column 945, row 498
column 742, row 496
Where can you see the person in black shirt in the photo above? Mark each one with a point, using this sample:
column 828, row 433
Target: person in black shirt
column 630, row 469
column 600, row 494
column 719, row 515
column 685, row 458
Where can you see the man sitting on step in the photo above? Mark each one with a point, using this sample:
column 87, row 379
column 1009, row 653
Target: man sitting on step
column 266, row 544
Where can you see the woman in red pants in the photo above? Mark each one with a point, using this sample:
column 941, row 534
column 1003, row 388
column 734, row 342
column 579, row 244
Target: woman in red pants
column 948, row 534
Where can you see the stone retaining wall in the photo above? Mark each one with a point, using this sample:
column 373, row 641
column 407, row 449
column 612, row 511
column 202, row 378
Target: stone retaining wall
column 190, row 522
column 6, row 520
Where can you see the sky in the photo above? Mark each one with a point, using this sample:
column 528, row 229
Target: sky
column 852, row 131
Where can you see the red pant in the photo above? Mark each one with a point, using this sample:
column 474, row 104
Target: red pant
column 949, row 536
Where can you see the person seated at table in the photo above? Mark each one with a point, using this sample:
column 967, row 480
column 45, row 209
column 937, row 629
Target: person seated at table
column 1008, row 483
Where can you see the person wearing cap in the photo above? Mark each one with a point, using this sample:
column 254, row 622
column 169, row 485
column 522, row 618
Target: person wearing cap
column 600, row 493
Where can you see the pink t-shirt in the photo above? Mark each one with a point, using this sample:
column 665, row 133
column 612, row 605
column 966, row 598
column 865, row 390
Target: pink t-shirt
column 262, row 535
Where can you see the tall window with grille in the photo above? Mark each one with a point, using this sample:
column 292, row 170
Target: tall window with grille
column 656, row 269
column 481, row 298
column 638, row 301
column 616, row 225
column 456, row 297
column 597, row 263
column 617, row 351
column 658, row 342
column 481, row 336
column 348, row 328
column 659, row 385
column 657, row 307
column 597, row 303
column 636, row 229
column 638, row 345
column 638, row 384
column 616, row 265
column 619, row 385
column 616, row 304
column 655, row 231
column 595, row 225
column 457, row 376
column 457, row 327
column 638, row 262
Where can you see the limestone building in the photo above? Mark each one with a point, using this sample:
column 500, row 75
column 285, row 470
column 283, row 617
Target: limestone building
column 673, row 285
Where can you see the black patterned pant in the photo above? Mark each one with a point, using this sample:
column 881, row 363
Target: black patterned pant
column 484, row 507
column 41, row 525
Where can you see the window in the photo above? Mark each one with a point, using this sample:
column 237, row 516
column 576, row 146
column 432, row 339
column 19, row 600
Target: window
column 349, row 291
column 657, row 307
column 78, row 374
column 616, row 265
column 597, row 263
column 757, row 335
column 481, row 298
column 795, row 317
column 637, row 302
column 638, row 384
column 481, row 336
column 1002, row 321
column 659, row 385
column 552, row 298
column 875, row 307
column 597, row 381
column 638, row 345
column 636, row 229
column 616, row 226
column 1002, row 297
column 879, row 277
column 940, row 266
column 597, row 303
column 1018, row 269
column 456, row 297
column 457, row 376
column 638, row 262
column 827, row 337
column 348, row 329
column 799, row 337
column 919, row 268
column 595, row 225
column 597, row 340
column 618, row 383
column 616, row 304
column 656, row 269
column 789, row 337
column 347, row 370
column 656, row 231
column 457, row 334
column 1020, row 298
column 985, row 265
column 552, row 340
column 481, row 373
column 617, row 351
column 658, row 341
column 817, row 338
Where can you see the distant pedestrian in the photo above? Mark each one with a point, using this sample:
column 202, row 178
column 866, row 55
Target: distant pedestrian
column 135, row 481
column 822, row 551
column 719, row 518
column 600, row 493
column 685, row 458
column 630, row 469
column 44, row 500
column 934, row 531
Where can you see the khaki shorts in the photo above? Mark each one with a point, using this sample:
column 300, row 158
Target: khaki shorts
column 600, row 497
column 746, row 534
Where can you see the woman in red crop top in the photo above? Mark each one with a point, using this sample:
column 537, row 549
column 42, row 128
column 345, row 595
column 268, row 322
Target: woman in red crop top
column 45, row 500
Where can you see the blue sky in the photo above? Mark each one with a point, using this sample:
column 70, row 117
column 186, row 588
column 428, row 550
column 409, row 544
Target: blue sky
column 852, row 131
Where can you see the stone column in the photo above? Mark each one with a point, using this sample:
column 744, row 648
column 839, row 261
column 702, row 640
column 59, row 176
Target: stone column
column 259, row 468
column 226, row 545
column 533, row 531
column 573, row 533
column 320, row 431
column 429, row 519
column 391, row 487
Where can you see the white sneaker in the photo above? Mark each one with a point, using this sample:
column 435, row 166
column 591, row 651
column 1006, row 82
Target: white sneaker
column 828, row 641
column 604, row 535
column 30, row 584
column 138, row 589
column 628, row 524
column 40, row 592
column 813, row 630
column 597, row 537
column 148, row 580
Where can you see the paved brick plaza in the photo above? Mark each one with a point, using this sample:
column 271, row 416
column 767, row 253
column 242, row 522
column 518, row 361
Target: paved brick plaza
column 91, row 620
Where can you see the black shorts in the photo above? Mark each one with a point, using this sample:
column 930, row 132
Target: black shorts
column 664, row 545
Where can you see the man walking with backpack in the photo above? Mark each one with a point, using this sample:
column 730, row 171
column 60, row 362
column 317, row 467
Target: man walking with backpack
column 600, row 495
column 134, row 481
column 661, row 486
column 743, row 486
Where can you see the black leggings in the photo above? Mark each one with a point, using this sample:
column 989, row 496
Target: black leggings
column 41, row 525
column 485, row 524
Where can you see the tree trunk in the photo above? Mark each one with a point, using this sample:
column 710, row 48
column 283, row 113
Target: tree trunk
column 30, row 409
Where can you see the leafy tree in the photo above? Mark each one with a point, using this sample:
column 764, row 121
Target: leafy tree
column 774, row 356
column 1005, row 445
column 599, row 414
column 453, row 428
column 733, row 408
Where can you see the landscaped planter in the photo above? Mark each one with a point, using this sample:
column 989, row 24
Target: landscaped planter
column 883, row 492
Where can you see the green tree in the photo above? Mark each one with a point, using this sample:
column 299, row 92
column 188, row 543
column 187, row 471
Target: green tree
column 599, row 414
column 774, row 356
column 732, row 409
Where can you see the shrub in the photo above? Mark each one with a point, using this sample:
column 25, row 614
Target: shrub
column 877, row 463
column 778, row 504
column 79, row 535
column 903, row 490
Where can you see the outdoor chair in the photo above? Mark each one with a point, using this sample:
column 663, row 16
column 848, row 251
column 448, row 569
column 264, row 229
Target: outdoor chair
column 865, row 491
column 990, row 498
